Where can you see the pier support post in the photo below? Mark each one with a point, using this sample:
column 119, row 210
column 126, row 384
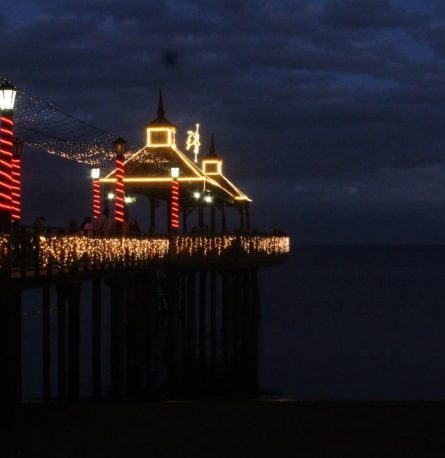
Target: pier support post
column 61, row 343
column 46, row 344
column 223, row 219
column 202, row 375
column 152, row 337
column 152, row 215
column 10, row 353
column 96, row 347
column 190, row 332
column 118, row 293
column 74, row 341
column 173, row 332
column 213, row 327
column 227, row 329
column 137, row 340
column 212, row 219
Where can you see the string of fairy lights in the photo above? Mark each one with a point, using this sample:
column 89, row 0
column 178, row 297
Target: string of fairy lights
column 71, row 250
column 44, row 126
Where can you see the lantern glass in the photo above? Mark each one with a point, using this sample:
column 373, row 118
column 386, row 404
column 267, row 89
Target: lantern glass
column 129, row 199
column 7, row 96
column 175, row 172
column 95, row 173
column 119, row 146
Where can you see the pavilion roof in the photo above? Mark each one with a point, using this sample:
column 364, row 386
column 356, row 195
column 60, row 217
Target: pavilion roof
column 149, row 169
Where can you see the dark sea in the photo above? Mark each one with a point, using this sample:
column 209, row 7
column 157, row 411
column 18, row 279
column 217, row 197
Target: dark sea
column 355, row 323
column 338, row 323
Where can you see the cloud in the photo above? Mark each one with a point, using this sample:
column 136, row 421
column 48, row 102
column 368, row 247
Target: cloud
column 329, row 91
column 365, row 14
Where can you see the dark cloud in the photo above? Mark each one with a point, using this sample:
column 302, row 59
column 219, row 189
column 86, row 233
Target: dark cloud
column 334, row 91
column 364, row 14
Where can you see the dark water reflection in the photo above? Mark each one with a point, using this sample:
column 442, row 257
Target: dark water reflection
column 337, row 323
column 356, row 323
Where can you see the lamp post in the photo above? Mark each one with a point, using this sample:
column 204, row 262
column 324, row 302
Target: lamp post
column 16, row 181
column 174, row 204
column 119, row 205
column 7, row 99
column 95, row 176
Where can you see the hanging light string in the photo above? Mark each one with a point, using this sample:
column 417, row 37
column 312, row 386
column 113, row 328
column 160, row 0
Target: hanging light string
column 44, row 126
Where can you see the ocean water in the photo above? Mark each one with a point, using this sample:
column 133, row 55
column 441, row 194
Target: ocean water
column 338, row 323
column 361, row 323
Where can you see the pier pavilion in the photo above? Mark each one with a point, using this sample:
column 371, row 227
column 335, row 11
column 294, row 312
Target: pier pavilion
column 184, row 308
column 204, row 189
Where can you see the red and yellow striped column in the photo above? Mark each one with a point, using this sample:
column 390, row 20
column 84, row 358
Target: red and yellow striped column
column 119, row 205
column 16, row 181
column 6, row 153
column 96, row 199
column 174, row 202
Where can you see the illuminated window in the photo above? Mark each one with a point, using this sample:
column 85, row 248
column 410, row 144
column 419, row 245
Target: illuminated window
column 158, row 137
column 212, row 167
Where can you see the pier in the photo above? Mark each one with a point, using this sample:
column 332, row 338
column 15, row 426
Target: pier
column 182, row 299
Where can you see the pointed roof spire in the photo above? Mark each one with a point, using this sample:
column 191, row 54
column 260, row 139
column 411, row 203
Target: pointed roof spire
column 161, row 120
column 161, row 112
column 212, row 153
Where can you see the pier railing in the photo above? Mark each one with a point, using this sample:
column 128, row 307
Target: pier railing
column 54, row 250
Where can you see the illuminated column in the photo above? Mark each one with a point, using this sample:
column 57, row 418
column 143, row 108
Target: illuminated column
column 119, row 206
column 7, row 99
column 16, row 181
column 174, row 206
column 95, row 175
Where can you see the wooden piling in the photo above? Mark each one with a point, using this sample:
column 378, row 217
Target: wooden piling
column 61, row 343
column 73, row 367
column 96, row 337
column 46, row 343
column 202, row 375
column 118, row 293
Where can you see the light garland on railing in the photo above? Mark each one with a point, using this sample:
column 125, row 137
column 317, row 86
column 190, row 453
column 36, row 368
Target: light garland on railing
column 269, row 245
column 69, row 250
column 4, row 250
column 201, row 245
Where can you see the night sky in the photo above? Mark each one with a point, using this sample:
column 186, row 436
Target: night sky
column 330, row 114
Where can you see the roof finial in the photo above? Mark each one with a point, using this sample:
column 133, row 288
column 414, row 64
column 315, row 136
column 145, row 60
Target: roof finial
column 212, row 146
column 161, row 112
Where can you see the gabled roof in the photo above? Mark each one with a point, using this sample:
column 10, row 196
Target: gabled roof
column 150, row 168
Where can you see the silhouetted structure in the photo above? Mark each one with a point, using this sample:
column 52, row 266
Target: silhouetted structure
column 184, row 308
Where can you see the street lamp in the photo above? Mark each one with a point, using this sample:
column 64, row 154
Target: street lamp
column 16, row 180
column 95, row 175
column 174, row 204
column 8, row 93
column 119, row 146
column 7, row 99
column 119, row 206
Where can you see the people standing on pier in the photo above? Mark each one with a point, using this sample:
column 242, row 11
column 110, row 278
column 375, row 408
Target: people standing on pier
column 39, row 224
column 87, row 226
column 134, row 226
column 104, row 223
